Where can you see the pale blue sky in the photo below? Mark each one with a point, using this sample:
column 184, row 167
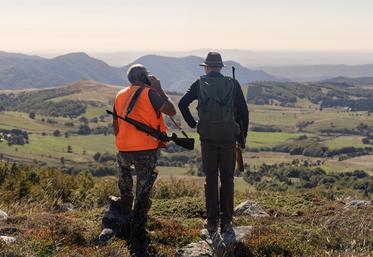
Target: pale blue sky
column 169, row 25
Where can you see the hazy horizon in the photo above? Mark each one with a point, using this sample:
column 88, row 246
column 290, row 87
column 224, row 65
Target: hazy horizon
column 42, row 26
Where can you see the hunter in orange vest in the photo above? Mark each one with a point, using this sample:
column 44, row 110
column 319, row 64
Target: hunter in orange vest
column 128, row 137
column 146, row 102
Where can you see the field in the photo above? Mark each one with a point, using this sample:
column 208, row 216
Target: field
column 48, row 149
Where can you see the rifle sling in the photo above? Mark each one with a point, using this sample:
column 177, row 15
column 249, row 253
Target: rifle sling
column 139, row 125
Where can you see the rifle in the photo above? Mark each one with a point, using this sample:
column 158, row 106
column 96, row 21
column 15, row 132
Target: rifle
column 187, row 143
column 241, row 139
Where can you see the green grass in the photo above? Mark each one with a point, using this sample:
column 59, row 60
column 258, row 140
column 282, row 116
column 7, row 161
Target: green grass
column 50, row 147
column 264, row 139
column 172, row 171
column 344, row 141
column 92, row 111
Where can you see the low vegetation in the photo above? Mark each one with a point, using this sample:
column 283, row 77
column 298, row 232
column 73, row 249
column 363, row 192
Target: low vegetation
column 55, row 214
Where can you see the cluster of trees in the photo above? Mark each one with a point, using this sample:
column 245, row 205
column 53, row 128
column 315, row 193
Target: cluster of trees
column 282, row 92
column 14, row 136
column 281, row 177
column 362, row 130
column 264, row 128
column 104, row 157
column 174, row 160
column 37, row 103
column 313, row 148
column 355, row 104
column 368, row 140
column 303, row 124
column 287, row 93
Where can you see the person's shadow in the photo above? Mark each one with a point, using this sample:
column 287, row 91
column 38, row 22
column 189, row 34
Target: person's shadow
column 115, row 224
column 139, row 245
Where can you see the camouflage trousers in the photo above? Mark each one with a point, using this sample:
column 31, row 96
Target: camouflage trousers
column 142, row 164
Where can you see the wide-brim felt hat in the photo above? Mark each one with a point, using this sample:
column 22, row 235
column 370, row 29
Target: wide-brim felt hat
column 213, row 59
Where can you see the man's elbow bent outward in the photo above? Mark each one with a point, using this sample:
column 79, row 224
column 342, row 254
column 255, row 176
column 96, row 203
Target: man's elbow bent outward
column 221, row 108
column 144, row 101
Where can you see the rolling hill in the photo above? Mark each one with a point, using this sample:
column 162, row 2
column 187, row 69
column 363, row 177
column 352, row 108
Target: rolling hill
column 23, row 71
column 361, row 81
column 319, row 72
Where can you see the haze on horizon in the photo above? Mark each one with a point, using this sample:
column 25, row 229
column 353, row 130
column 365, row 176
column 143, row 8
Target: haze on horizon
column 167, row 25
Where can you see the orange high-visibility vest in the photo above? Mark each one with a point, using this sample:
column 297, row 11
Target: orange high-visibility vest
column 129, row 138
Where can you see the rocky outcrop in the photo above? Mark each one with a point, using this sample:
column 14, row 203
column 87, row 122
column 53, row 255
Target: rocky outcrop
column 251, row 209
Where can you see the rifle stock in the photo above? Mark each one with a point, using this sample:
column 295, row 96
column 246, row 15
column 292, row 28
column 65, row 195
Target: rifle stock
column 239, row 159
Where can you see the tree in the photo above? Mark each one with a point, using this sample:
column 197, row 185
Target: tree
column 97, row 156
column 69, row 149
column 56, row 133
column 83, row 120
column 94, row 120
column 62, row 161
column 84, row 130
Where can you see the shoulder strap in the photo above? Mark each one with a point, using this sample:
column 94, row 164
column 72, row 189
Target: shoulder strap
column 134, row 100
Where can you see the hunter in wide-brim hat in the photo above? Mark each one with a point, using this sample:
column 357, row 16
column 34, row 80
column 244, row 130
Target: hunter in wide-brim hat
column 213, row 59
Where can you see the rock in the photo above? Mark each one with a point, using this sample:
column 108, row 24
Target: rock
column 63, row 207
column 67, row 207
column 215, row 245
column 250, row 208
column 357, row 203
column 105, row 236
column 7, row 239
column 3, row 216
column 198, row 249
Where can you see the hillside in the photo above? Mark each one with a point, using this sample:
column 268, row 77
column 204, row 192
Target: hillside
column 319, row 72
column 49, row 213
column 21, row 71
column 176, row 74
column 360, row 81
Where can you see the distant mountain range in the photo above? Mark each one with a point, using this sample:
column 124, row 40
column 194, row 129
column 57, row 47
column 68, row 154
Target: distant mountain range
column 361, row 81
column 319, row 72
column 176, row 74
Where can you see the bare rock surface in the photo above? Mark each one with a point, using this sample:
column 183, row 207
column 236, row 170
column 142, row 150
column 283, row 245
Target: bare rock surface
column 7, row 239
column 357, row 203
column 250, row 208
column 215, row 245
column 3, row 215
column 198, row 249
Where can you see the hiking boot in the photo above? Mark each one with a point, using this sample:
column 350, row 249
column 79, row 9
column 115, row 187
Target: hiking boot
column 227, row 232
column 212, row 227
column 105, row 236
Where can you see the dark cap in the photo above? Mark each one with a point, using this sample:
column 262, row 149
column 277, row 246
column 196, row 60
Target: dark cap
column 213, row 59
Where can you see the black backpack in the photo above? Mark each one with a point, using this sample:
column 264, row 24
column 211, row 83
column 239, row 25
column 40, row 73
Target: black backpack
column 216, row 109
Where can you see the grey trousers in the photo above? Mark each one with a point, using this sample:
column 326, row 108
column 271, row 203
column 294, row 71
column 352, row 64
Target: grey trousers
column 219, row 159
